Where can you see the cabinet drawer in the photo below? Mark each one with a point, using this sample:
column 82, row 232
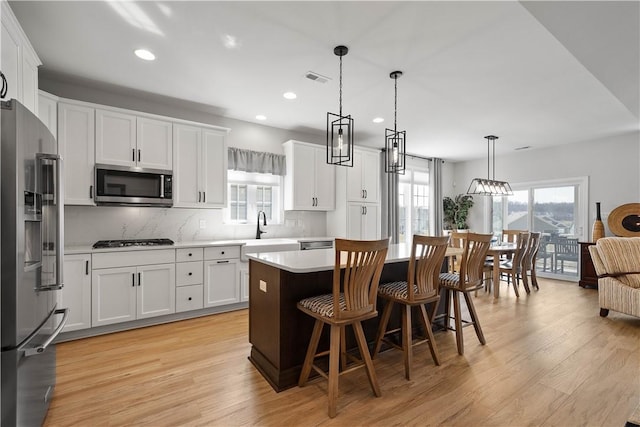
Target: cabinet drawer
column 189, row 298
column 222, row 252
column 133, row 258
column 189, row 273
column 188, row 254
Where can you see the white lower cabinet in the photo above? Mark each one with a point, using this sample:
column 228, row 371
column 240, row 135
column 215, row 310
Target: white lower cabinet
column 189, row 279
column 122, row 292
column 221, row 277
column 244, row 281
column 76, row 293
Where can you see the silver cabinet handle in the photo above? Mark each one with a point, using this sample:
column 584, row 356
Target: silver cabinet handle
column 133, row 154
column 204, row 197
column 133, row 279
column 365, row 210
column 41, row 348
column 139, row 278
column 139, row 155
column 86, row 268
column 223, row 262
column 91, row 191
column 199, row 196
column 366, row 194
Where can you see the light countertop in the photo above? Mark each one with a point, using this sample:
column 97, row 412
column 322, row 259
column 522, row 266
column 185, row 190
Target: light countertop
column 323, row 259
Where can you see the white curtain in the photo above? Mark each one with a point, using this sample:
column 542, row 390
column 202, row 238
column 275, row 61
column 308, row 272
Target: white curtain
column 436, row 195
column 256, row 161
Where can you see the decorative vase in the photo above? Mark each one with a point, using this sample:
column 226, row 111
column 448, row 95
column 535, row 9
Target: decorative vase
column 598, row 227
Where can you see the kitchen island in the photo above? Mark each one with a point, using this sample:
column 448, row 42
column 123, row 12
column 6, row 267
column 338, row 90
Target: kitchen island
column 279, row 333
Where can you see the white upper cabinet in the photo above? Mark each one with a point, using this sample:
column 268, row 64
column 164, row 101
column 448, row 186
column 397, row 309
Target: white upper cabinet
column 48, row 111
column 363, row 180
column 76, row 146
column 18, row 60
column 200, row 173
column 310, row 181
column 363, row 221
column 127, row 140
column 155, row 143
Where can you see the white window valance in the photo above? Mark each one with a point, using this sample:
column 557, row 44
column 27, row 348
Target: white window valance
column 256, row 161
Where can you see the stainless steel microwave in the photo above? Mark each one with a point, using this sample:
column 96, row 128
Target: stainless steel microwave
column 132, row 186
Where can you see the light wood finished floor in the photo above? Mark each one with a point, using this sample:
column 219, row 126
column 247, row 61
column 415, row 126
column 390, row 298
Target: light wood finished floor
column 549, row 360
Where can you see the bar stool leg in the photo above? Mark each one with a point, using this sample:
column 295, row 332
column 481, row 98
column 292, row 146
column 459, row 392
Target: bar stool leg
column 474, row 318
column 458, row 319
column 382, row 328
column 311, row 353
column 334, row 355
column 407, row 340
column 429, row 333
column 364, row 353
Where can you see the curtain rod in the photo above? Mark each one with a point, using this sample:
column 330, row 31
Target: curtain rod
column 412, row 155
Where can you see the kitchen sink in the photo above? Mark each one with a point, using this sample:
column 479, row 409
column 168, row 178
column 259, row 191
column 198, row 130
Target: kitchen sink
column 268, row 245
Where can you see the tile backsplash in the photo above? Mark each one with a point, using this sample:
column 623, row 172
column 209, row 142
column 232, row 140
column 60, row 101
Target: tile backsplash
column 88, row 224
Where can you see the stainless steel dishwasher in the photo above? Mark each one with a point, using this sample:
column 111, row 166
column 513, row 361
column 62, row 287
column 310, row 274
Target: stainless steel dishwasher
column 316, row 244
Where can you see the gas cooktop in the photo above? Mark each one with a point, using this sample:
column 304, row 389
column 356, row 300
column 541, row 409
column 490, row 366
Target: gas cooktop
column 132, row 242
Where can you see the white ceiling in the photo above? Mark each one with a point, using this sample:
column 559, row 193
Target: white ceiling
column 533, row 73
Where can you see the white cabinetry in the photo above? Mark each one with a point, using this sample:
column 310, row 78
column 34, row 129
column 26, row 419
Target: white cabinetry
column 221, row 275
column 200, row 167
column 244, row 281
column 48, row 111
column 363, row 179
column 76, row 293
column 76, row 145
column 189, row 279
column 18, row 60
column 357, row 213
column 132, row 285
column 128, row 140
column 310, row 181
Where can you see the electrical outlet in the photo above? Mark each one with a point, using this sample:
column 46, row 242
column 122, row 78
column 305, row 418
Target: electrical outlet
column 263, row 286
column 203, row 223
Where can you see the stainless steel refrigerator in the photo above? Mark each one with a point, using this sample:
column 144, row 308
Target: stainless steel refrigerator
column 32, row 208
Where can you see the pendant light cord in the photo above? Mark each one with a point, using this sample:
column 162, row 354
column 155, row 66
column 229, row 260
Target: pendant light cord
column 340, row 89
column 395, row 106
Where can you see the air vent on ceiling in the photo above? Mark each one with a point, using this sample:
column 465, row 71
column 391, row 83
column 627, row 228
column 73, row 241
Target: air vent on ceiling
column 316, row 77
column 526, row 147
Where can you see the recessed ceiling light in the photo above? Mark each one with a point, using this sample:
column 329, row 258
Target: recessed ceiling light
column 378, row 120
column 290, row 95
column 261, row 117
column 230, row 42
column 144, row 54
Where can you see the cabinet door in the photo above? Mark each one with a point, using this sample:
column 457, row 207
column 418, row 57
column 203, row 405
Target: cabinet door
column 30, row 81
column 325, row 183
column 156, row 290
column 304, row 163
column 48, row 112
column 76, row 146
column 371, row 222
column 113, row 295
column 221, row 283
column 371, row 176
column 10, row 51
column 244, row 281
column 76, row 293
column 355, row 212
column 355, row 189
column 214, row 170
column 155, row 143
column 116, row 138
column 187, row 160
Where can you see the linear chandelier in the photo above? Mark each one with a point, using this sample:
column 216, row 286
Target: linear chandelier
column 489, row 186
column 340, row 128
column 395, row 141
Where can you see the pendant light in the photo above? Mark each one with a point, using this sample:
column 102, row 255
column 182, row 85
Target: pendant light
column 395, row 141
column 340, row 128
column 490, row 187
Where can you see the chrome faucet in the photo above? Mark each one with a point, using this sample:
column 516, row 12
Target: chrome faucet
column 264, row 222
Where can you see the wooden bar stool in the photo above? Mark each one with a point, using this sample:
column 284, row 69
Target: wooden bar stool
column 468, row 280
column 362, row 262
column 421, row 288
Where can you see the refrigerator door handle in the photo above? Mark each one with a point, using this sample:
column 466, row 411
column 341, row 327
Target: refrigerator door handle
column 59, row 199
column 42, row 347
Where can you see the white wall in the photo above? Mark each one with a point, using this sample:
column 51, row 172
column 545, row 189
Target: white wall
column 611, row 165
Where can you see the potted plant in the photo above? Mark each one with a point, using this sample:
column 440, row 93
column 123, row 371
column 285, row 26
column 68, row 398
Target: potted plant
column 456, row 211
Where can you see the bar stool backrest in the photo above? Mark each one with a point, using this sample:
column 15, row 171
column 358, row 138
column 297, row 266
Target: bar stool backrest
column 475, row 251
column 427, row 255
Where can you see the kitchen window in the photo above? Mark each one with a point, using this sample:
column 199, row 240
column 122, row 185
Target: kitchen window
column 250, row 193
column 413, row 200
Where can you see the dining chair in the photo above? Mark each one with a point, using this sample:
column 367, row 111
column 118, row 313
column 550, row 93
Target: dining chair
column 456, row 240
column 356, row 275
column 422, row 287
column 529, row 261
column 513, row 267
column 466, row 281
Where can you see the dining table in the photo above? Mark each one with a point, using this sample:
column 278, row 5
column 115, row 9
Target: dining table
column 497, row 250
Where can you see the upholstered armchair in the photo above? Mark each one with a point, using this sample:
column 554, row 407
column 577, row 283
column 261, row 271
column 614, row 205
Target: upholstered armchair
column 617, row 263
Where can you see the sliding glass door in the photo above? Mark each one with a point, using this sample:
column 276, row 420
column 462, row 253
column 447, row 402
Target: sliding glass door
column 557, row 209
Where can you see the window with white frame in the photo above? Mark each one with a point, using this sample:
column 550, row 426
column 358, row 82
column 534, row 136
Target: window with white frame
column 250, row 193
column 413, row 203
